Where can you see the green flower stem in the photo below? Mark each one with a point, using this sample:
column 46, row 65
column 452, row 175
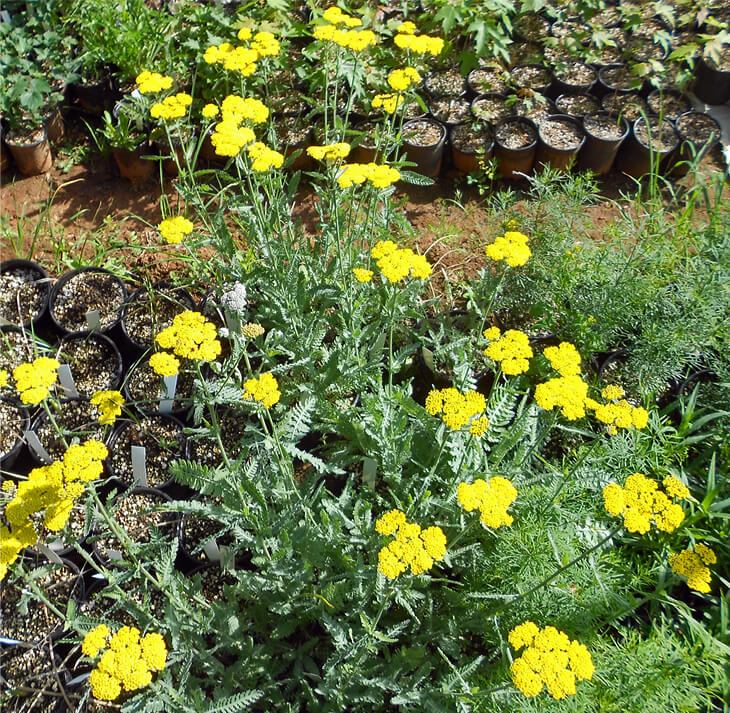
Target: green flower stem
column 463, row 533
column 559, row 571
column 213, row 415
column 54, row 423
column 47, row 602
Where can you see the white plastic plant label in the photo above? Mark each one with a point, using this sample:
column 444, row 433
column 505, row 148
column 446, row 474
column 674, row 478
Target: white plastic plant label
column 31, row 438
column 369, row 471
column 169, row 386
column 139, row 465
column 67, row 381
column 49, row 554
column 212, row 551
column 92, row 320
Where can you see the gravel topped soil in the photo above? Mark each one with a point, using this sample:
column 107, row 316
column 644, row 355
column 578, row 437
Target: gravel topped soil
column 29, row 683
column 536, row 107
column 94, row 364
column 77, row 419
column 292, row 131
column 17, row 347
column 449, row 110
column 86, row 291
column 531, row 76
column 23, row 294
column 197, row 530
column 470, row 138
column 32, row 620
column 698, row 128
column 422, row 132
column 576, row 104
column 648, row 28
column 491, row 108
column 630, row 105
column 607, row 18
column 212, row 582
column 570, row 28
column 525, row 52
column 206, row 450
column 668, row 104
column 515, row 134
column 133, row 512
column 144, row 386
column 412, row 109
column 561, row 134
column 604, row 127
column 25, row 138
column 531, row 26
column 149, row 311
column 371, row 132
column 448, row 81
column 13, row 422
column 604, row 56
column 619, row 78
column 163, row 440
column 488, row 80
column 662, row 134
column 576, row 74
column 643, row 49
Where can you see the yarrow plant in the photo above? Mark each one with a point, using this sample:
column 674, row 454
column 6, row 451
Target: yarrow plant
column 33, row 380
column 173, row 230
column 492, row 499
column 550, row 659
column 109, row 404
column 694, row 566
column 127, row 663
column 511, row 247
column 397, row 263
column 511, row 350
column 458, row 410
column 412, row 547
column 264, row 389
column 640, row 503
column 190, row 336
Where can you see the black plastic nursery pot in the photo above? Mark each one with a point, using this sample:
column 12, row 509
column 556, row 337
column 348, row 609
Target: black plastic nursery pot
column 132, row 164
column 532, row 76
column 105, row 294
column 561, row 138
column 162, row 437
column 515, row 146
column 5, row 160
column 616, row 79
column 699, row 134
column 471, row 146
column 424, row 141
column 604, row 135
column 573, row 78
column 95, row 97
column 711, row 85
column 14, row 422
column 638, row 155
column 95, row 361
column 32, row 155
column 28, row 308
column 668, row 103
column 169, row 522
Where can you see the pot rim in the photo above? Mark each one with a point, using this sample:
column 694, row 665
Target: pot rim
column 517, row 119
column 609, row 115
column 442, row 128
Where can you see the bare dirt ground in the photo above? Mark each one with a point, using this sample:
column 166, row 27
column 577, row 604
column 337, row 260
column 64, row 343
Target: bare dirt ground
column 78, row 211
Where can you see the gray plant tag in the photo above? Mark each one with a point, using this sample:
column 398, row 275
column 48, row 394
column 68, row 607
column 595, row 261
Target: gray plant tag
column 49, row 554
column 67, row 381
column 92, row 320
column 369, row 471
column 31, row 438
column 227, row 560
column 169, row 386
column 212, row 551
column 114, row 554
column 428, row 358
column 139, row 465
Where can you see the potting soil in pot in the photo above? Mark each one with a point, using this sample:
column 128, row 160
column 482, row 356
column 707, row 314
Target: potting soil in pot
column 31, row 681
column 576, row 74
column 421, row 132
column 660, row 134
column 93, row 362
column 535, row 107
column 488, row 80
column 630, row 105
column 147, row 313
column 576, row 104
column 163, row 441
column 530, row 76
column 491, row 109
column 145, row 387
column 76, row 419
column 12, row 422
column 697, row 128
column 471, row 138
column 25, row 618
column 668, row 106
column 560, row 134
column 23, row 293
column 603, row 127
column 16, row 348
column 84, row 292
column 206, row 450
column 449, row 110
column 448, row 81
column 515, row 135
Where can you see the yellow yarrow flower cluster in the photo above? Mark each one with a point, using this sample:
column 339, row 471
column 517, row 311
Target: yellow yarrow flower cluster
column 512, row 350
column 407, row 39
column 335, row 16
column 128, row 662
column 387, row 102
column 152, row 82
column 49, row 491
column 190, row 337
column 252, row 330
column 550, row 659
column 412, row 546
column 381, row 176
column 619, row 414
column 640, row 502
column 564, row 358
column 694, row 566
column 229, row 136
column 568, row 393
column 109, row 404
column 33, row 380
column 263, row 158
column 456, row 409
column 397, row 263
column 173, row 230
column 209, row 111
column 362, row 275
column 491, row 499
column 329, row 152
column 172, row 107
column 243, row 59
column 265, row 44
column 401, row 79
column 164, row 364
column 264, row 389
column 511, row 247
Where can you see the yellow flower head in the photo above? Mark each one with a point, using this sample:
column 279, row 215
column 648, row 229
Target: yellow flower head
column 109, row 404
column 173, row 230
column 401, row 79
column 511, row 247
column 264, row 389
column 512, row 351
column 209, row 111
column 362, row 275
column 190, row 336
column 164, row 364
column 152, row 82
column 33, row 380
